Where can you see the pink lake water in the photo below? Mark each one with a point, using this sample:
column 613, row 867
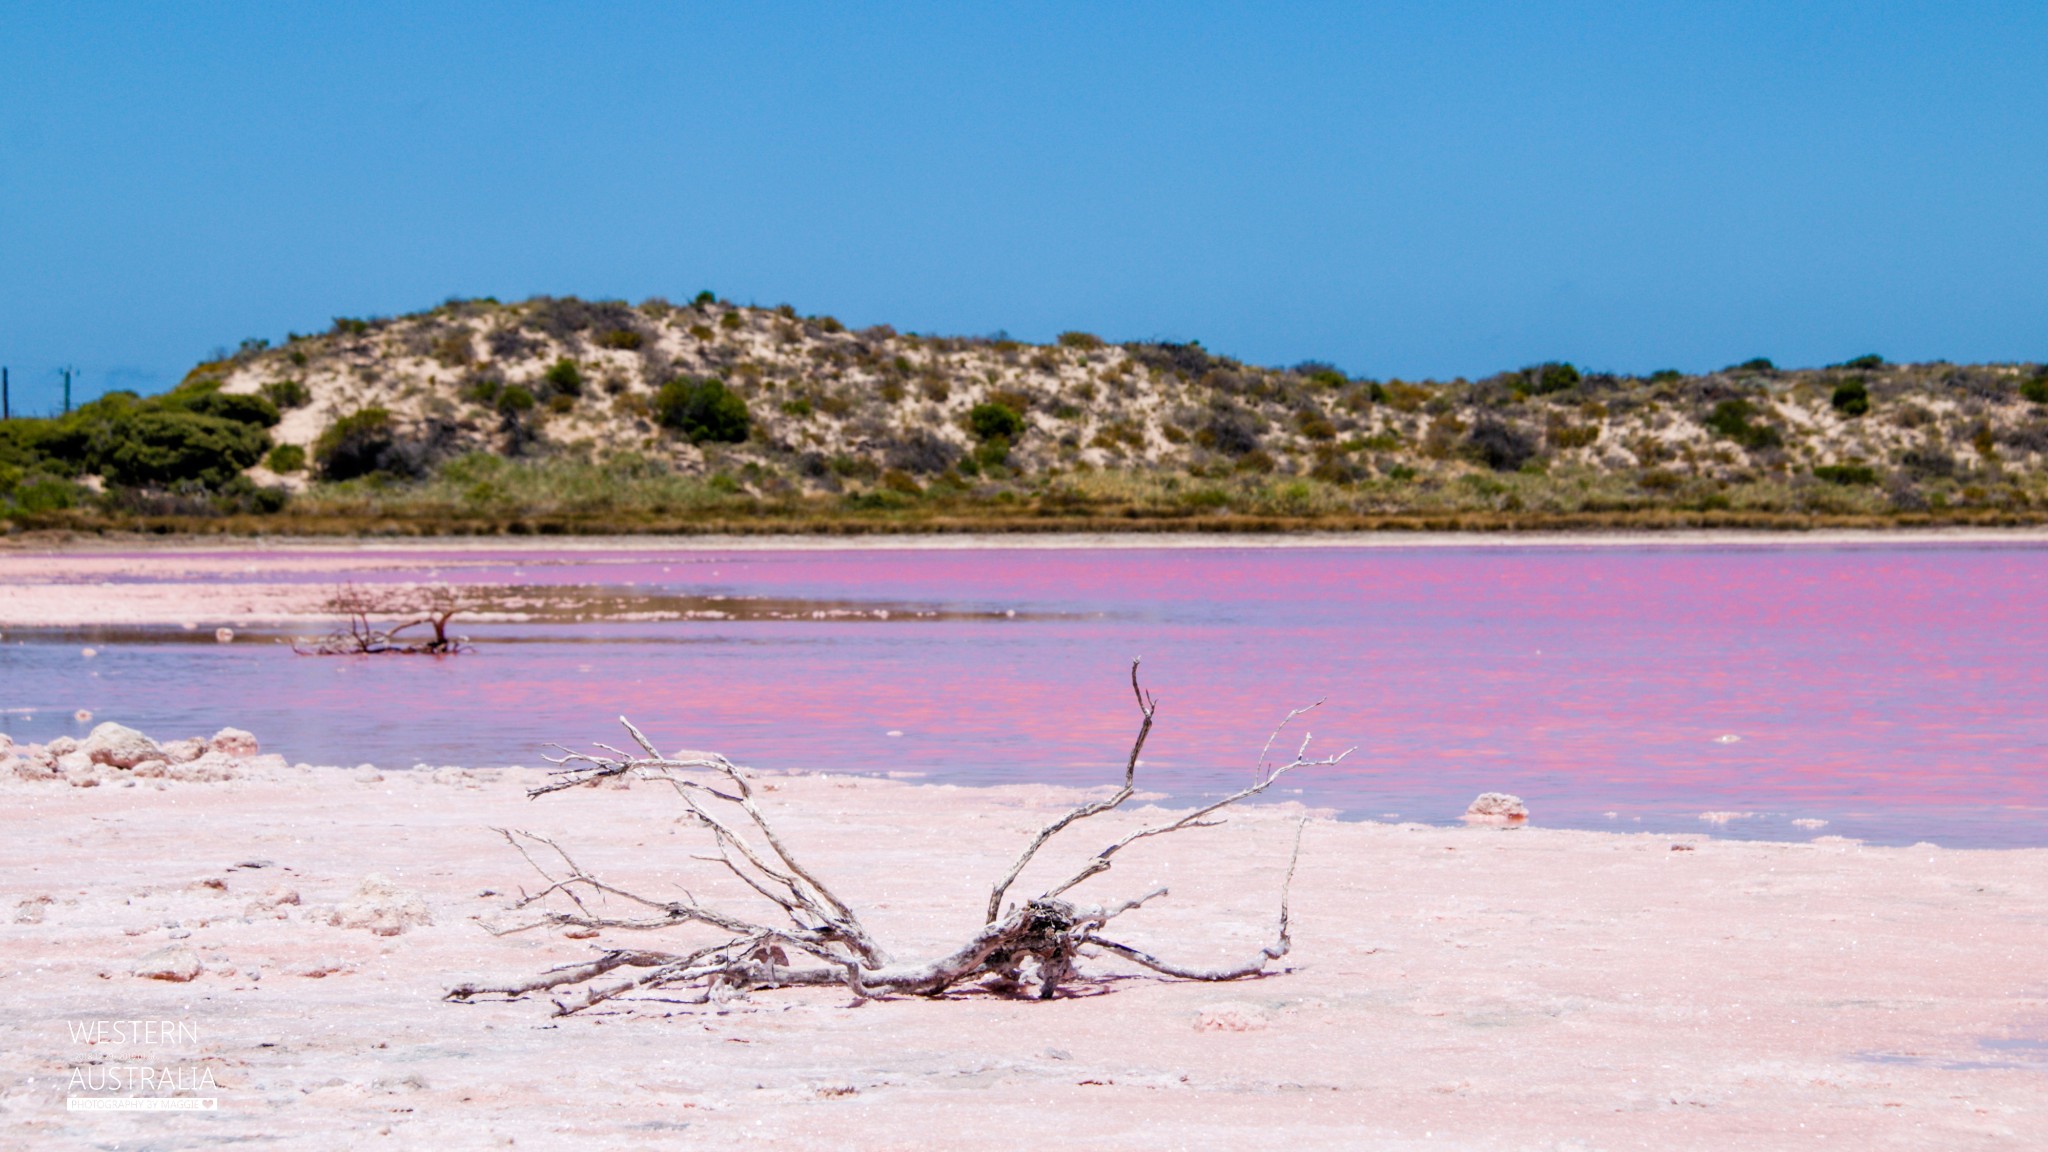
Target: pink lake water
column 1898, row 692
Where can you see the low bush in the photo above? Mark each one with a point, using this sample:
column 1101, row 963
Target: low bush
column 2036, row 390
column 1230, row 430
column 1321, row 375
column 1564, row 437
column 1314, row 425
column 250, row 409
column 1499, row 445
column 286, row 394
column 1846, row 474
column 1732, row 420
column 703, row 410
column 286, row 459
column 37, row 493
column 1554, row 376
column 1851, row 398
column 356, row 444
column 989, row 420
column 922, row 453
column 624, row 339
column 513, row 399
column 158, row 448
column 993, row 452
column 1085, row 341
column 1928, row 461
column 564, row 377
column 453, row 349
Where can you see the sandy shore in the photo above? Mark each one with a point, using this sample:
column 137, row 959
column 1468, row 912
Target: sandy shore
column 1467, row 988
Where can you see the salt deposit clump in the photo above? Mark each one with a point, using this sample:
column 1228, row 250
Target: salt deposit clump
column 1497, row 808
column 117, row 754
column 233, row 742
column 119, row 746
column 382, row 907
column 176, row 963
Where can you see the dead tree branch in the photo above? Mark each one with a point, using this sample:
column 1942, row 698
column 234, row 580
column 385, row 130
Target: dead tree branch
column 809, row 935
column 431, row 607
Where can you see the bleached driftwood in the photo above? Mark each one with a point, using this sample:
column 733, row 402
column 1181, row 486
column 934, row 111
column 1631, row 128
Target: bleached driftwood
column 431, row 608
column 823, row 942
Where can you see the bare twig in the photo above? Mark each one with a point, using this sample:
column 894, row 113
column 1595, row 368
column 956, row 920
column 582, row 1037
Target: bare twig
column 823, row 941
column 1147, row 705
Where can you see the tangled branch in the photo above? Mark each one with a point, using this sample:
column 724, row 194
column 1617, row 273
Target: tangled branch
column 431, row 608
column 810, row 936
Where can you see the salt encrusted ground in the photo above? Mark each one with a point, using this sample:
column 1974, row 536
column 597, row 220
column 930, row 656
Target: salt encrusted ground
column 1469, row 988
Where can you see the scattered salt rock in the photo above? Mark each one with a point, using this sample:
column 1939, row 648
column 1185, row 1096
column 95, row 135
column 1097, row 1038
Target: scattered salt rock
column 183, row 751
column 74, row 763
column 321, row 969
column 272, row 904
column 176, row 963
column 1809, row 822
column 1230, row 1016
column 30, row 911
column 1724, row 817
column 1497, row 808
column 6, row 743
column 382, row 907
column 83, row 715
column 224, row 635
column 456, row 778
column 150, row 769
column 87, row 653
column 233, row 742
column 120, row 746
column 61, row 746
column 38, row 768
column 208, row 769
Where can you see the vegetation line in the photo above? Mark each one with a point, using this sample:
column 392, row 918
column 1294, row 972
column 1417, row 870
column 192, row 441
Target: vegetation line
column 558, row 416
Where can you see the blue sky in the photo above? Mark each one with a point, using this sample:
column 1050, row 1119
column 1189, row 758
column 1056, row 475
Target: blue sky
column 1403, row 190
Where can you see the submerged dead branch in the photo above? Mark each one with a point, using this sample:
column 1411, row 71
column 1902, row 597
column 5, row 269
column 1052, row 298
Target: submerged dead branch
column 430, row 608
column 808, row 934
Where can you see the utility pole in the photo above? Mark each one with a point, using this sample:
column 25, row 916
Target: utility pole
column 6, row 402
column 67, row 390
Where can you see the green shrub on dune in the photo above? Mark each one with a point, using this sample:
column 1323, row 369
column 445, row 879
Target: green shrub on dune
column 703, row 410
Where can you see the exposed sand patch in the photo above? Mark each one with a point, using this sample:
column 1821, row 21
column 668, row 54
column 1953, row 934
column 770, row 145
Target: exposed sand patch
column 1466, row 988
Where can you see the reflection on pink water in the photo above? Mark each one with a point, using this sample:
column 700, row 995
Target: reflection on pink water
column 1896, row 692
